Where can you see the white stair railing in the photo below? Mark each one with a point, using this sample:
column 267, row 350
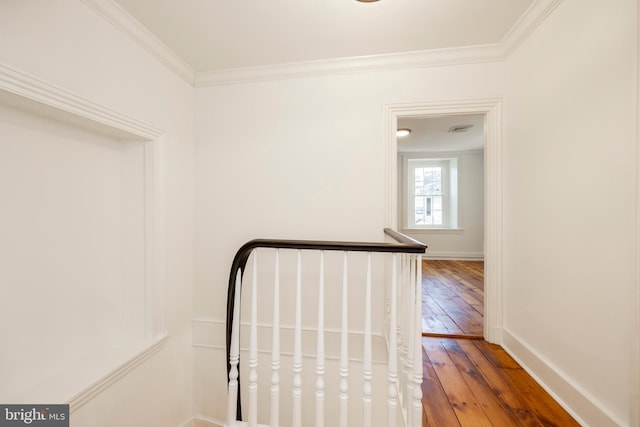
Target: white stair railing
column 320, row 349
column 392, row 370
column 275, row 347
column 344, row 347
column 296, row 420
column 398, row 381
column 367, row 372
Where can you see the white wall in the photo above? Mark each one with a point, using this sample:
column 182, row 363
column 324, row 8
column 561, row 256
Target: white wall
column 299, row 158
column 569, row 205
column 468, row 241
column 72, row 245
column 68, row 45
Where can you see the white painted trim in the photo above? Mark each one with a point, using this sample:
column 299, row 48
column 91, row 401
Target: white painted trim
column 35, row 90
column 427, row 231
column 120, row 371
column 569, row 394
column 154, row 238
column 201, row 421
column 634, row 399
column 462, row 256
column 40, row 97
column 392, row 61
column 206, row 331
column 128, row 25
column 528, row 22
column 491, row 108
column 189, row 422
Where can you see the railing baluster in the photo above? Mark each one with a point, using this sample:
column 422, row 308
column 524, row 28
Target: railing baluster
column 320, row 349
column 392, row 373
column 401, row 322
column 234, row 357
column 409, row 330
column 344, row 349
column 402, row 318
column 417, row 358
column 275, row 348
column 253, row 347
column 297, row 351
column 367, row 371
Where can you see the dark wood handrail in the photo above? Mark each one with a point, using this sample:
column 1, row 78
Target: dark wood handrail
column 404, row 244
column 403, row 238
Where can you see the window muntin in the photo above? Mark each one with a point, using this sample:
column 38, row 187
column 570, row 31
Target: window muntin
column 428, row 191
column 431, row 193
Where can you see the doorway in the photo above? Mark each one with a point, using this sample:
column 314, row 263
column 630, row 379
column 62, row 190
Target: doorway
column 491, row 111
column 441, row 203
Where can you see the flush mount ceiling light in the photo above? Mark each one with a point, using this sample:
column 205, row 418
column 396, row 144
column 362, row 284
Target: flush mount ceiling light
column 366, row 1
column 402, row 132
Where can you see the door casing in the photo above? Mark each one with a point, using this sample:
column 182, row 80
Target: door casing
column 492, row 109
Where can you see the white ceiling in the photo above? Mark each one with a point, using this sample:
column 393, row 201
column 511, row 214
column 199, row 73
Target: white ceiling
column 431, row 134
column 221, row 34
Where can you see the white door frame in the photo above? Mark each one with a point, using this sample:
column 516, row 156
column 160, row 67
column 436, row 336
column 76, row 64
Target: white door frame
column 491, row 108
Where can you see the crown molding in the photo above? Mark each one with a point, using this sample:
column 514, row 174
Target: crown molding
column 393, row 61
column 528, row 22
column 128, row 25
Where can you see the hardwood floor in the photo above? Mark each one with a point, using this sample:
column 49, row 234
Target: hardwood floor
column 453, row 297
column 471, row 383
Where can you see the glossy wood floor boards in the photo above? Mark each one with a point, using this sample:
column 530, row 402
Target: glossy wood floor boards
column 472, row 383
column 453, row 297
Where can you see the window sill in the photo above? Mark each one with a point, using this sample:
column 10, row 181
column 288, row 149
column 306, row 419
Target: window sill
column 433, row 230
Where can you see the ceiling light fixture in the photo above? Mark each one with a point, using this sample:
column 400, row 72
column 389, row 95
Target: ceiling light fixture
column 402, row 132
column 366, row 1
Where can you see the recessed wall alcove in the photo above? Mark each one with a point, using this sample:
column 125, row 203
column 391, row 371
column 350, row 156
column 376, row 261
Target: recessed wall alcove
column 80, row 243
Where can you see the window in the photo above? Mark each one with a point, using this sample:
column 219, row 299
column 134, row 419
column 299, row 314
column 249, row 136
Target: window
column 431, row 193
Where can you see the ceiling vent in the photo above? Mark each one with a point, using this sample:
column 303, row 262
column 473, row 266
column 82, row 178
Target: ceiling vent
column 459, row 128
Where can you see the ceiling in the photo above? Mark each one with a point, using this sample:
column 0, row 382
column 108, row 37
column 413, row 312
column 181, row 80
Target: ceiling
column 213, row 35
column 431, row 134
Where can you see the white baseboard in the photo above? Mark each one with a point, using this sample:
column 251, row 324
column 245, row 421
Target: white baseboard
column 189, row 422
column 573, row 398
column 201, row 421
column 461, row 256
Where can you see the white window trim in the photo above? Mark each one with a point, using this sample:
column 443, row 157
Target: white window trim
column 444, row 165
column 453, row 226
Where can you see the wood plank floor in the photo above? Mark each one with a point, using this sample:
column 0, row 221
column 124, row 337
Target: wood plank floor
column 453, row 297
column 471, row 382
